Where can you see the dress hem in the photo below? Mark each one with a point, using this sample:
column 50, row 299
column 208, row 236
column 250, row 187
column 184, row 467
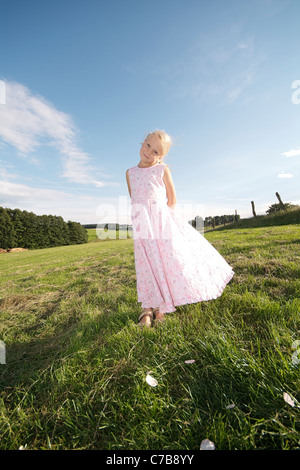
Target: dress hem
column 171, row 308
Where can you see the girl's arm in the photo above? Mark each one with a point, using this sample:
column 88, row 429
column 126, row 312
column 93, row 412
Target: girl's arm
column 128, row 182
column 171, row 194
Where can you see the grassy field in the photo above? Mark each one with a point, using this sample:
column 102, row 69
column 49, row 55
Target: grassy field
column 76, row 362
column 96, row 235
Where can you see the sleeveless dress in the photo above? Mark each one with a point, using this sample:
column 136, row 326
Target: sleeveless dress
column 175, row 265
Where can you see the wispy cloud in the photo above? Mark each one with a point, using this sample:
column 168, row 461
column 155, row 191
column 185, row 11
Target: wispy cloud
column 18, row 191
column 222, row 67
column 28, row 121
column 5, row 171
column 292, row 153
column 285, row 175
column 48, row 201
column 271, row 7
column 84, row 208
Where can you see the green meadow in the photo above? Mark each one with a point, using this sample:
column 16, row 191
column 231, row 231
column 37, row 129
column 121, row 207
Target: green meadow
column 76, row 361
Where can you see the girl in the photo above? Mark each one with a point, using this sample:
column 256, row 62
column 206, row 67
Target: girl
column 175, row 265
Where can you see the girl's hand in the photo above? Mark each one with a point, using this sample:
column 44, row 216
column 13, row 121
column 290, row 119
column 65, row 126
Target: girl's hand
column 172, row 206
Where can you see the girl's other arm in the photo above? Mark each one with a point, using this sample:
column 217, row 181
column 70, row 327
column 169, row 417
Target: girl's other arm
column 171, row 194
column 128, row 182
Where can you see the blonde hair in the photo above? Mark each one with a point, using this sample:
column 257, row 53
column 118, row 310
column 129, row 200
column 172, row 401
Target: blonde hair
column 165, row 138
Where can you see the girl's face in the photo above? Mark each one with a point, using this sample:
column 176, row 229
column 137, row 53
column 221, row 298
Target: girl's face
column 151, row 150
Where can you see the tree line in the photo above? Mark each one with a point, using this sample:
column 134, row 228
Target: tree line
column 27, row 230
column 214, row 221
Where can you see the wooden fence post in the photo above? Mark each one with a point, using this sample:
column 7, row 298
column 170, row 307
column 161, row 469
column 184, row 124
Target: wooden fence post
column 280, row 202
column 253, row 208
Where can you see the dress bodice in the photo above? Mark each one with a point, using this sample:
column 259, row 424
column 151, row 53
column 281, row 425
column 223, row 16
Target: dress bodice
column 147, row 183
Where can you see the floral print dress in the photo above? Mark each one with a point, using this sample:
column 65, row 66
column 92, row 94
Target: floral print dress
column 175, row 265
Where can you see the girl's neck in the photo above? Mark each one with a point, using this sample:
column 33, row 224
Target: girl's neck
column 148, row 166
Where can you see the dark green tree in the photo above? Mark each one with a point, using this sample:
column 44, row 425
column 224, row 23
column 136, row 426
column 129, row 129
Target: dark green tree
column 7, row 232
column 278, row 207
column 28, row 230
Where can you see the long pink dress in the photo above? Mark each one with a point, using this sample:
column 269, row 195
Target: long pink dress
column 175, row 264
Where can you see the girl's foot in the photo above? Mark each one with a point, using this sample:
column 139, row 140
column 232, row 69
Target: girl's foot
column 145, row 319
column 159, row 317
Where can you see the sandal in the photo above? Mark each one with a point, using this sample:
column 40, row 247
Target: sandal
column 145, row 319
column 159, row 317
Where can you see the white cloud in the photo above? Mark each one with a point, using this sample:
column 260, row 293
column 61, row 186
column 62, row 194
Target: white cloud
column 285, row 175
column 86, row 209
column 28, row 121
column 48, row 201
column 291, row 153
column 17, row 191
column 243, row 45
column 5, row 171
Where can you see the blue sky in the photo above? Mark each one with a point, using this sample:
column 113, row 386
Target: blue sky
column 83, row 81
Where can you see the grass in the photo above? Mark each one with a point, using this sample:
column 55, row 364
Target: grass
column 96, row 235
column 76, row 362
column 288, row 217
